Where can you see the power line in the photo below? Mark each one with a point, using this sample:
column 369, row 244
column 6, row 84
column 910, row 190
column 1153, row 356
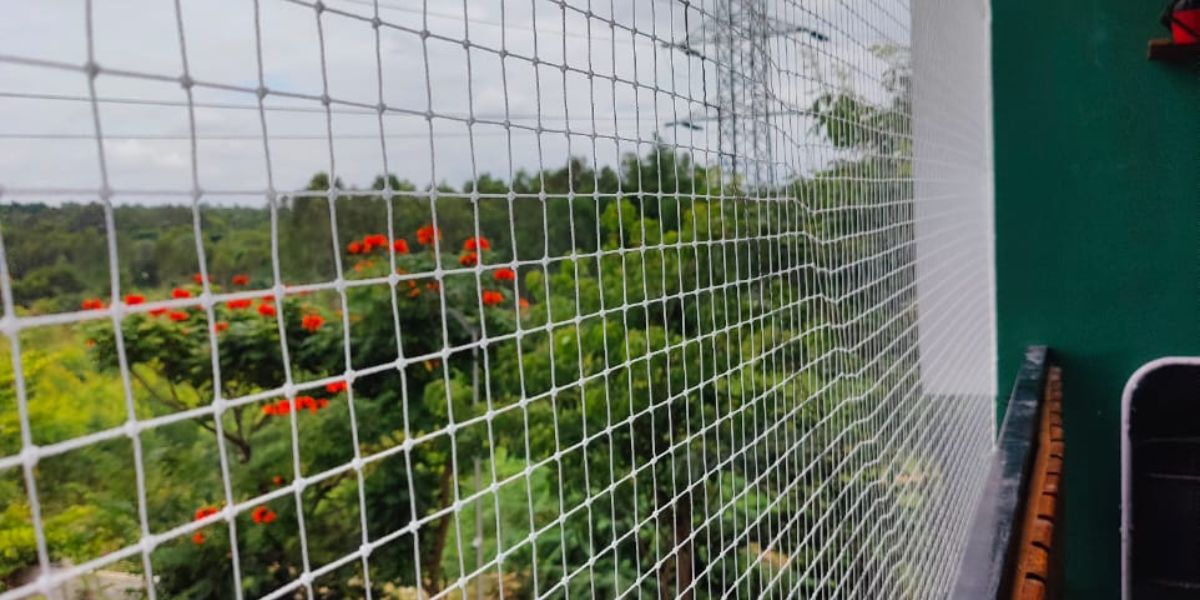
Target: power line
column 257, row 137
column 296, row 109
column 488, row 23
column 228, row 137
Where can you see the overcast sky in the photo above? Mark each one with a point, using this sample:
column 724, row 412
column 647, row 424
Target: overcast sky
column 47, row 141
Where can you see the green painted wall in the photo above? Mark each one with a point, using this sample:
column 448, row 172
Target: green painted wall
column 1098, row 230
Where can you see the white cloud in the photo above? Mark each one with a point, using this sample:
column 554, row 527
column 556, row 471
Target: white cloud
column 138, row 154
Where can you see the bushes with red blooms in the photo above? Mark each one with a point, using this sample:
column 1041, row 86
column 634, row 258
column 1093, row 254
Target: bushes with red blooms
column 170, row 357
column 378, row 241
column 250, row 354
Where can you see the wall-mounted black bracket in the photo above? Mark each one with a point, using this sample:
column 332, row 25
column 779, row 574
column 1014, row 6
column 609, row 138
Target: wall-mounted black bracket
column 1163, row 49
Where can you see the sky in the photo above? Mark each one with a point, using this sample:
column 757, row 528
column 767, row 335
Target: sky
column 48, row 149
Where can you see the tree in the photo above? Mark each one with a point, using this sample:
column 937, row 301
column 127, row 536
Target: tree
column 641, row 356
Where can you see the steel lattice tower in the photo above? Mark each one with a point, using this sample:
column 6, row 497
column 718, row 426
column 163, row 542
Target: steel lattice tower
column 737, row 39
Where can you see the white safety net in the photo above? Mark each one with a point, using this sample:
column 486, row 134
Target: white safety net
column 493, row 298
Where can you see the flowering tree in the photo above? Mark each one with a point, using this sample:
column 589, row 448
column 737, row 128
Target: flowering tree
column 663, row 380
column 617, row 388
column 169, row 355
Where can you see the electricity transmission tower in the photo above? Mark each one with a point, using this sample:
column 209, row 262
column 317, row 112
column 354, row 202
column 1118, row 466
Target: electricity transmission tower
column 737, row 37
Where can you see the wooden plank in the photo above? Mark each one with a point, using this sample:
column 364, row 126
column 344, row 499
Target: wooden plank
column 1039, row 544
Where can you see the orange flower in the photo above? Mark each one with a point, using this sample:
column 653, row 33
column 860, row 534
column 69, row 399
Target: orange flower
column 413, row 293
column 523, row 303
column 505, row 274
column 312, row 322
column 433, row 286
column 266, row 310
column 491, row 297
column 477, row 243
column 205, row 511
column 220, row 326
column 199, row 279
column 158, row 312
column 322, row 402
column 132, row 299
column 427, row 234
column 92, row 304
column 354, row 247
column 277, row 480
column 177, row 316
column 180, row 293
column 238, row 304
column 240, row 280
column 372, row 242
column 262, row 515
column 362, row 265
column 306, row 403
column 202, row 512
column 336, row 387
column 400, row 246
column 469, row 259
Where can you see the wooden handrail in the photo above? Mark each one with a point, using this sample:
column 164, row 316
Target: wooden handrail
column 1039, row 545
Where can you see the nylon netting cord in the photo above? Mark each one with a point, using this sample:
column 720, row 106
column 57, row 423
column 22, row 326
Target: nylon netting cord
column 710, row 313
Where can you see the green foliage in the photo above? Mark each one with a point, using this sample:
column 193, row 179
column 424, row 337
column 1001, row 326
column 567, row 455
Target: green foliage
column 663, row 381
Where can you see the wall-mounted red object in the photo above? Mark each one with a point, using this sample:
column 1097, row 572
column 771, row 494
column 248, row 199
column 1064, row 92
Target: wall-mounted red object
column 1185, row 27
column 1183, row 17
